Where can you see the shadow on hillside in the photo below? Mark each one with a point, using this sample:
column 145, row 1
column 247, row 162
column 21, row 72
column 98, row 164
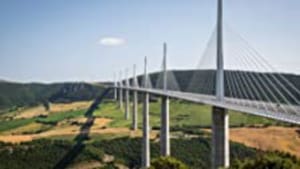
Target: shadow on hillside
column 83, row 135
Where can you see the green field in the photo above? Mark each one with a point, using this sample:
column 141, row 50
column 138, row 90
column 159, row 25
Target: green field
column 181, row 114
column 57, row 117
column 12, row 124
column 51, row 119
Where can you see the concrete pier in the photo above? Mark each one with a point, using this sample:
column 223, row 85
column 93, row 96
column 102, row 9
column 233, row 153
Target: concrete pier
column 115, row 93
column 164, row 130
column 115, row 88
column 135, row 101
column 146, row 125
column 121, row 99
column 127, row 101
column 127, row 104
column 121, row 106
column 146, row 133
column 164, row 127
column 121, row 93
column 220, row 138
column 220, row 117
column 135, row 111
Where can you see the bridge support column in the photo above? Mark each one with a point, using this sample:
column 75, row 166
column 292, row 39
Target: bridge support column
column 115, row 93
column 127, row 104
column 135, row 111
column 121, row 99
column 164, row 128
column 220, row 138
column 146, row 133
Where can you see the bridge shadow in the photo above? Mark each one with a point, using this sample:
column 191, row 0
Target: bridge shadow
column 83, row 134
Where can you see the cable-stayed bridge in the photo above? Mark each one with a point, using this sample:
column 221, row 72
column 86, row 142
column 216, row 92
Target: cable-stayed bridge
column 250, row 85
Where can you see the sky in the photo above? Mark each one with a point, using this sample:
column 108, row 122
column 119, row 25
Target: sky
column 76, row 40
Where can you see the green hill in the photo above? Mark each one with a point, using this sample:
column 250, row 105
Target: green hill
column 19, row 94
column 202, row 81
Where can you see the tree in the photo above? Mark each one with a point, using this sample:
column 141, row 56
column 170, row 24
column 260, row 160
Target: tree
column 167, row 163
column 274, row 160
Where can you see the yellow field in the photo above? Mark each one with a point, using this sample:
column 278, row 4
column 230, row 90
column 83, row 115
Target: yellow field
column 66, row 128
column 54, row 108
column 270, row 138
column 28, row 128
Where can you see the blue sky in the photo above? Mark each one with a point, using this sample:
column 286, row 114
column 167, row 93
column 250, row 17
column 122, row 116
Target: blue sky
column 60, row 40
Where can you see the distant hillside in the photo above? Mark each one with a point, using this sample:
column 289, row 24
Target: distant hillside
column 18, row 94
column 203, row 81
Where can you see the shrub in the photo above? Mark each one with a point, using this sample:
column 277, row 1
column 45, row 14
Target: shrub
column 274, row 160
column 167, row 163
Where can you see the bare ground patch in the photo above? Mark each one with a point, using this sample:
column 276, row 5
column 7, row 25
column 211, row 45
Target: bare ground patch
column 270, row 138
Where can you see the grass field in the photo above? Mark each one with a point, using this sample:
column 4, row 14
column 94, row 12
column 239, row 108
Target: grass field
column 52, row 119
column 181, row 114
column 8, row 125
column 57, row 117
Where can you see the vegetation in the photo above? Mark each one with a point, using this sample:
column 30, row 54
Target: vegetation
column 51, row 119
column 193, row 152
column 274, row 160
column 57, row 117
column 183, row 115
column 167, row 163
column 14, row 95
column 42, row 154
column 12, row 124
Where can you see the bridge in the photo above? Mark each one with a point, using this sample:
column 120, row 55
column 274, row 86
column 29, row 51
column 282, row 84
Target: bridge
column 264, row 93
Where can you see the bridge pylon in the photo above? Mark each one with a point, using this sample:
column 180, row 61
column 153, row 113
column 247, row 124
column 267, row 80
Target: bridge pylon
column 135, row 101
column 127, row 101
column 220, row 117
column 121, row 92
column 164, row 129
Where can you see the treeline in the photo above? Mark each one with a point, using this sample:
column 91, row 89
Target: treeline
column 268, row 160
column 18, row 94
column 42, row 154
column 195, row 153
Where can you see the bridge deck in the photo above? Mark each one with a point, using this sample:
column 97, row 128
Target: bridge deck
column 254, row 107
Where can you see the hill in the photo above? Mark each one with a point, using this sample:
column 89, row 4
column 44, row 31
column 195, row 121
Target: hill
column 203, row 81
column 196, row 81
column 14, row 95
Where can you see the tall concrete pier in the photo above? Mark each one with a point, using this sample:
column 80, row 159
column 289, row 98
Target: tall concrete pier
column 164, row 130
column 220, row 118
column 135, row 102
column 220, row 138
column 115, row 87
column 127, row 97
column 121, row 93
column 146, row 126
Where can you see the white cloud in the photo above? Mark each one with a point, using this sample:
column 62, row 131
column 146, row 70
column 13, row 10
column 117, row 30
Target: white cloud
column 112, row 41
